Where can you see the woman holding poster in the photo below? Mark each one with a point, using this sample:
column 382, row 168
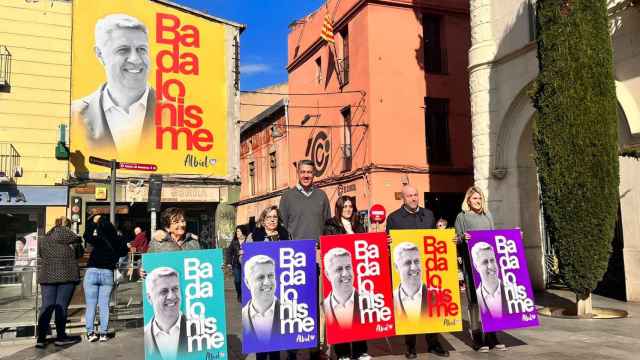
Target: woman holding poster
column 269, row 229
column 345, row 221
column 475, row 215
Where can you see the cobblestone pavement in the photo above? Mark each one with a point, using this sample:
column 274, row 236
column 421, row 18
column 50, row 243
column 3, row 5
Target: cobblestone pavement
column 554, row 339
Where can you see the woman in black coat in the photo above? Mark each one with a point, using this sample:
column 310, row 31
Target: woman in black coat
column 233, row 258
column 58, row 275
column 345, row 221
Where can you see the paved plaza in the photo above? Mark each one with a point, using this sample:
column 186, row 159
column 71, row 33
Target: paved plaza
column 555, row 339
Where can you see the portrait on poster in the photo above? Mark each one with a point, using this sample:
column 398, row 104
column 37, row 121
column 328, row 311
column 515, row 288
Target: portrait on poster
column 279, row 296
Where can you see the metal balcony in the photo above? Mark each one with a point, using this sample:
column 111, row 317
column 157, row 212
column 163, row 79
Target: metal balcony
column 9, row 163
column 5, row 69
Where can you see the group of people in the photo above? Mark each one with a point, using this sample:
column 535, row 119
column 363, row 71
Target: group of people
column 304, row 213
column 59, row 254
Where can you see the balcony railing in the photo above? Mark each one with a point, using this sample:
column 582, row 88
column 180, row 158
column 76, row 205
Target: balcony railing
column 9, row 163
column 5, row 69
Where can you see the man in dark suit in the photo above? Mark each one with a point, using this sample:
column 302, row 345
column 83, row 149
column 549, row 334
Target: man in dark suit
column 165, row 336
column 490, row 294
column 410, row 298
column 117, row 116
column 261, row 315
column 412, row 216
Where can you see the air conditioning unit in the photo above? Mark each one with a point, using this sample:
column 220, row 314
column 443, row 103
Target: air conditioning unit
column 17, row 171
column 4, row 178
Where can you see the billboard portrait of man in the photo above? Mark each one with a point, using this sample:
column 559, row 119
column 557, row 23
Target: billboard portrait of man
column 342, row 305
column 165, row 336
column 118, row 116
column 261, row 315
column 410, row 297
column 490, row 295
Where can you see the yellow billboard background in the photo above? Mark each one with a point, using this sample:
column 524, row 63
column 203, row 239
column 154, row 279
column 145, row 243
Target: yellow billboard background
column 208, row 89
column 426, row 323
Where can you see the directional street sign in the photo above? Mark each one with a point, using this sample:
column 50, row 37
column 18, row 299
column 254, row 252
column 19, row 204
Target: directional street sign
column 99, row 161
column 136, row 166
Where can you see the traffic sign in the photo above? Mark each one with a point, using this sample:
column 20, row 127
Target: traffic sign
column 99, row 161
column 377, row 214
column 137, row 166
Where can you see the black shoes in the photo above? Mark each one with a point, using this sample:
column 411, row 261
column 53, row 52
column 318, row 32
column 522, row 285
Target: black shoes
column 438, row 350
column 410, row 354
column 67, row 340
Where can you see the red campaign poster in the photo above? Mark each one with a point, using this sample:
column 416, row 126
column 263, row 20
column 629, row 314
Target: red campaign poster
column 356, row 286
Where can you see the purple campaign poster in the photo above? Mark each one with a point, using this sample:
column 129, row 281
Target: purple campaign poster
column 279, row 296
column 501, row 277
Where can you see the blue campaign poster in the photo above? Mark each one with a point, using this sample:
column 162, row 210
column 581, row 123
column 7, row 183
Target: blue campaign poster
column 184, row 308
column 279, row 296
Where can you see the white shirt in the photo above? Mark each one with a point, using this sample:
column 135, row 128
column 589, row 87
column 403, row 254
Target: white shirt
column 493, row 301
column 347, row 225
column 262, row 322
column 412, row 304
column 167, row 341
column 125, row 124
column 301, row 189
column 343, row 312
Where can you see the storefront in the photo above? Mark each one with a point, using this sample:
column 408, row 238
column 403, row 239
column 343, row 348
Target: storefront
column 203, row 205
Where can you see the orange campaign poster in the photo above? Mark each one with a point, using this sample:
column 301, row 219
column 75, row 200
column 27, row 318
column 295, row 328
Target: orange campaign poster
column 148, row 85
column 426, row 293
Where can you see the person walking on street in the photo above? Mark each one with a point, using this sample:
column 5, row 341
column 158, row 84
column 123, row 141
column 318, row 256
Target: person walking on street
column 233, row 259
column 305, row 209
column 108, row 247
column 269, row 229
column 345, row 221
column 411, row 216
column 58, row 275
column 475, row 215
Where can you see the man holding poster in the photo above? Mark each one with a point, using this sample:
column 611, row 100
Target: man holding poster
column 411, row 216
column 119, row 113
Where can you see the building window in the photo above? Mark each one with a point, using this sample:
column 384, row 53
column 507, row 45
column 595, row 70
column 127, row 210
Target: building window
column 437, row 129
column 252, row 178
column 531, row 10
column 319, row 70
column 5, row 69
column 344, row 62
column 346, row 139
column 273, row 165
column 435, row 59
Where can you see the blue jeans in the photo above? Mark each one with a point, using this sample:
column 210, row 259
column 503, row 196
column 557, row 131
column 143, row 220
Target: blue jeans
column 98, row 284
column 55, row 297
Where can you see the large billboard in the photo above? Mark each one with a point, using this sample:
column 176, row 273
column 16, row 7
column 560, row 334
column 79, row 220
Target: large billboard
column 149, row 84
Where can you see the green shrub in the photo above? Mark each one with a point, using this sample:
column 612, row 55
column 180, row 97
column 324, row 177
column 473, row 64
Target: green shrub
column 575, row 137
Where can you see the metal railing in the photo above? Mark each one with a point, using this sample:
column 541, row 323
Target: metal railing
column 9, row 162
column 5, row 69
column 20, row 298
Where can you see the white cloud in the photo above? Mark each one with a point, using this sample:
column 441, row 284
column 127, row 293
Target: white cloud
column 251, row 69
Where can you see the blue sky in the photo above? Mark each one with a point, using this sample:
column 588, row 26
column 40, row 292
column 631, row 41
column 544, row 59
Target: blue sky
column 263, row 44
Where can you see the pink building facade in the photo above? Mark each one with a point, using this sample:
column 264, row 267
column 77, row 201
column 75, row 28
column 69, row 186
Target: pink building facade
column 387, row 104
